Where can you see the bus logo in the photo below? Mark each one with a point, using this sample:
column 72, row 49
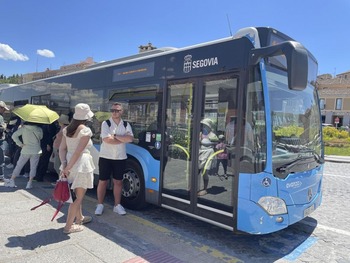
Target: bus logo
column 200, row 63
column 309, row 194
column 187, row 63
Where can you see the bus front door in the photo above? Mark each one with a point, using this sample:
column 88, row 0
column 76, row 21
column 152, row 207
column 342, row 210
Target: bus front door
column 198, row 178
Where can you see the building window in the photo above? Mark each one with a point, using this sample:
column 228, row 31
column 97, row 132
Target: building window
column 322, row 104
column 339, row 104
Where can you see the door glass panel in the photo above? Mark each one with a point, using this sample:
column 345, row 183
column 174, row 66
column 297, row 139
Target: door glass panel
column 216, row 142
column 179, row 129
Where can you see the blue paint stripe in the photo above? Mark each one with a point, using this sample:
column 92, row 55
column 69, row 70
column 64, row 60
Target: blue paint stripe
column 301, row 249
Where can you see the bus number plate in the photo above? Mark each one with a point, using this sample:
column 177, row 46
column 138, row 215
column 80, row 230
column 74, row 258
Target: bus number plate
column 309, row 210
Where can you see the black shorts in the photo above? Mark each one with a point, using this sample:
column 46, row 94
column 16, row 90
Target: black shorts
column 108, row 167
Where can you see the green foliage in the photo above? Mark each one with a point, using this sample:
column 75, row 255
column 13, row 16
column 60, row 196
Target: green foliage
column 289, row 131
column 14, row 79
column 341, row 151
column 336, row 141
column 179, row 137
column 331, row 134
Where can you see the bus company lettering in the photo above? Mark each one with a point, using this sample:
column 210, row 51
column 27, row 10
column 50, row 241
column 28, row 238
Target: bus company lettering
column 207, row 62
column 295, row 184
column 190, row 64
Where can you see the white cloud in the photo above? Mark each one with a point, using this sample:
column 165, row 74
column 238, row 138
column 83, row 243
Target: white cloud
column 7, row 53
column 45, row 53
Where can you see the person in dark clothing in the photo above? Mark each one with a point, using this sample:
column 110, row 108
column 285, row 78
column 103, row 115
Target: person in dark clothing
column 49, row 131
column 2, row 155
column 12, row 126
column 3, row 108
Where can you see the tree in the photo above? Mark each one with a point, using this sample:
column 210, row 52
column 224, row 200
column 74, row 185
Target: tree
column 14, row 79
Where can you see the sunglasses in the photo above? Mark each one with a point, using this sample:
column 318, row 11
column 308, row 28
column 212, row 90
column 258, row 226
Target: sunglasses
column 114, row 110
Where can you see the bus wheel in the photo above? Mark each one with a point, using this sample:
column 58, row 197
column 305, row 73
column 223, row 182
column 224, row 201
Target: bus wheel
column 133, row 192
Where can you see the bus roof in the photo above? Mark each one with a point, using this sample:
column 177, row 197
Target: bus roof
column 252, row 33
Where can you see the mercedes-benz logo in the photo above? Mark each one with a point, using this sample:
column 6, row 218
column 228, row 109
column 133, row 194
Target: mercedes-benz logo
column 309, row 194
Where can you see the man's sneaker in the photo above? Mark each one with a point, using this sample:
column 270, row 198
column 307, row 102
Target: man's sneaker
column 9, row 166
column 9, row 183
column 29, row 185
column 99, row 209
column 119, row 209
column 26, row 175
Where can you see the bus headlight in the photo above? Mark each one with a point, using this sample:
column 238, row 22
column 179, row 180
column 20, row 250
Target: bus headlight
column 273, row 205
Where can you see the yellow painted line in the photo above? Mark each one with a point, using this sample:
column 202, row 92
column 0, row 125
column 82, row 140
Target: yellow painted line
column 203, row 248
column 210, row 159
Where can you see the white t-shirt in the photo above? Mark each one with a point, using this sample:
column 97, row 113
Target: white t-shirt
column 230, row 133
column 114, row 151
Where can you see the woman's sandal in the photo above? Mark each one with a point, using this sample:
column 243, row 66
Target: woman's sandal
column 73, row 229
column 86, row 219
column 202, row 192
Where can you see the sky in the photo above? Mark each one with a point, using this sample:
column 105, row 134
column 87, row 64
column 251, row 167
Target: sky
column 36, row 35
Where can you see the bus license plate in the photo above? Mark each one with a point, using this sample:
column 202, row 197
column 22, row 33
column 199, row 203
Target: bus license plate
column 309, row 210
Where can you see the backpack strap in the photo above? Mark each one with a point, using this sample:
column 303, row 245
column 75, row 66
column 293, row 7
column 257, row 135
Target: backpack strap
column 108, row 123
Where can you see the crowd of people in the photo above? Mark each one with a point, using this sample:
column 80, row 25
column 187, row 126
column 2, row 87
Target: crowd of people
column 67, row 142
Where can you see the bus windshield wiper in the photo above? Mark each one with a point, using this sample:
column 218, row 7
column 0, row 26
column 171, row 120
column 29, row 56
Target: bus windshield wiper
column 318, row 158
column 286, row 167
column 313, row 153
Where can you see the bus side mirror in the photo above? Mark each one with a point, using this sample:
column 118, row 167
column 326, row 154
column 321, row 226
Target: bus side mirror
column 296, row 64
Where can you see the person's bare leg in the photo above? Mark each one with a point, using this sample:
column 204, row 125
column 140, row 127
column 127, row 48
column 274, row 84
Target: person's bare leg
column 101, row 191
column 117, row 191
column 74, row 208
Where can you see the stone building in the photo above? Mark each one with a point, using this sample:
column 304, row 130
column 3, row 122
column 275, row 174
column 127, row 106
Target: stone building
column 334, row 96
column 63, row 70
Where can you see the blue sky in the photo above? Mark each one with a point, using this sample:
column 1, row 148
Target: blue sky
column 39, row 34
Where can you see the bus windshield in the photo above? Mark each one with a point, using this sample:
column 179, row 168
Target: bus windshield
column 296, row 127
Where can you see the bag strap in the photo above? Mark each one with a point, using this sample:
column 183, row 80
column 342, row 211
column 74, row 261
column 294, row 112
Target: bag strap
column 36, row 137
column 109, row 123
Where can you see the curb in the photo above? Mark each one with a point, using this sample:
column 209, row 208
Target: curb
column 337, row 159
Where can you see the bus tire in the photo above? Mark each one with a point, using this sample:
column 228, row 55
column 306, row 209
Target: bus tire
column 133, row 191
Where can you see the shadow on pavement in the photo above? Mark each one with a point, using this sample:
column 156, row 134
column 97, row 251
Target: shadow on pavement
column 37, row 239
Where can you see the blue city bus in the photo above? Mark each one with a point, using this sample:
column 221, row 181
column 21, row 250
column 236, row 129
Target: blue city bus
column 254, row 92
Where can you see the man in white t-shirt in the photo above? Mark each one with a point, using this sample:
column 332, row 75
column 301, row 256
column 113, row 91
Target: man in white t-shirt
column 113, row 157
column 230, row 130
